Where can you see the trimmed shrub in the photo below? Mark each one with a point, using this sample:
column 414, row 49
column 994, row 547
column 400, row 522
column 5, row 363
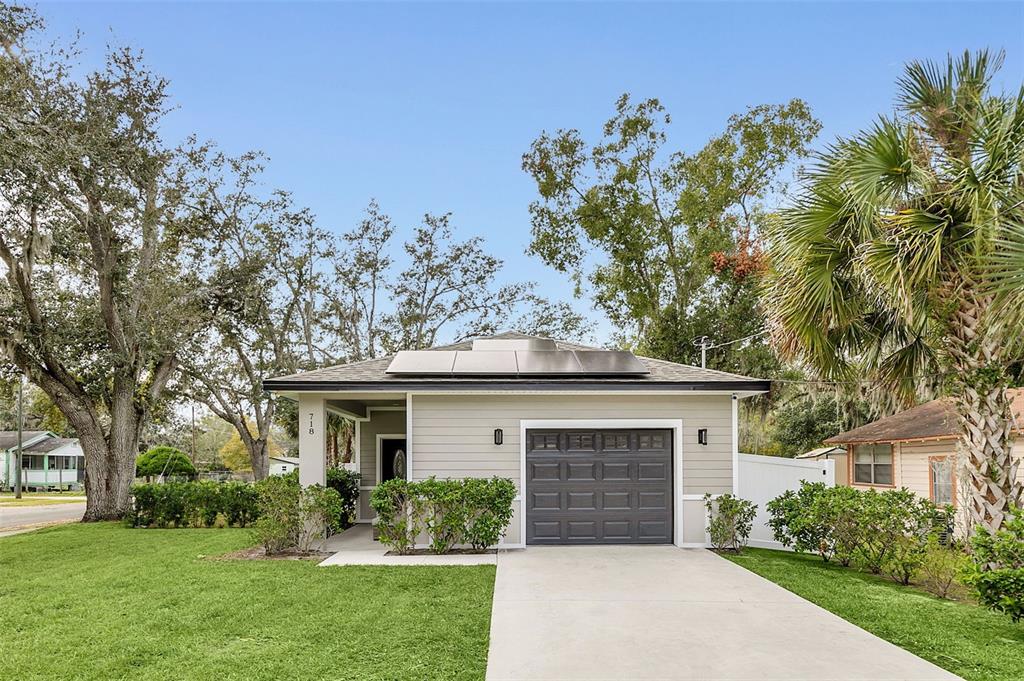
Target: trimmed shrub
column 292, row 516
column 193, row 504
column 997, row 570
column 277, row 526
column 398, row 506
column 472, row 511
column 895, row 526
column 884, row 532
column 836, row 511
column 490, row 510
column 164, row 460
column 730, row 521
column 793, row 524
column 446, row 511
column 346, row 484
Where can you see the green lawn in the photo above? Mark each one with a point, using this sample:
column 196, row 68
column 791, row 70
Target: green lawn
column 101, row 601
column 961, row 637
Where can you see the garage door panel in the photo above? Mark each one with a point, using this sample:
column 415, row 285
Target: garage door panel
column 544, row 470
column 615, row 470
column 581, row 501
column 653, row 471
column 610, row 486
column 543, row 501
column 547, row 530
column 615, row 501
column 655, row 530
column 616, row 530
column 581, row 471
column 582, row 529
column 653, row 501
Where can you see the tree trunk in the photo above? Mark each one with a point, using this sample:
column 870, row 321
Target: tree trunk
column 259, row 455
column 110, row 461
column 985, row 457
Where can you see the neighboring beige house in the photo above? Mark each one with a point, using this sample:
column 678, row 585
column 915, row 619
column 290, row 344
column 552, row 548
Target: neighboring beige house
column 916, row 449
column 604, row 447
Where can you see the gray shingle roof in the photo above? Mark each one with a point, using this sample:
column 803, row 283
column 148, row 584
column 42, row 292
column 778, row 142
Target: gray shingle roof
column 9, row 438
column 372, row 374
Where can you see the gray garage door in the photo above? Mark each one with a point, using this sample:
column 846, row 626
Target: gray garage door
column 598, row 486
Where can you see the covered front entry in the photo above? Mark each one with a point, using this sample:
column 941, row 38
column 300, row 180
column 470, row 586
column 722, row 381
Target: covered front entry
column 599, row 486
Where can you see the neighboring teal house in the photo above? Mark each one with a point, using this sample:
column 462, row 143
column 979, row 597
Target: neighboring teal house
column 48, row 460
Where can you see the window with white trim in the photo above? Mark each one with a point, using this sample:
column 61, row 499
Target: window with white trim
column 941, row 472
column 872, row 464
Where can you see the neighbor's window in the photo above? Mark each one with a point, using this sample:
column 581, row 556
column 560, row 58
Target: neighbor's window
column 872, row 464
column 941, row 471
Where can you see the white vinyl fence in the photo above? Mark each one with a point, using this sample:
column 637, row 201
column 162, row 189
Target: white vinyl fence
column 762, row 478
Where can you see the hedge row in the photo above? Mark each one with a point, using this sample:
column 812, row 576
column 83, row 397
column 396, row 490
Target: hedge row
column 473, row 511
column 194, row 504
column 884, row 532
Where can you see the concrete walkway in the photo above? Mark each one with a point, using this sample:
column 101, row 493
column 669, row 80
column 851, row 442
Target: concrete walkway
column 633, row 612
column 355, row 546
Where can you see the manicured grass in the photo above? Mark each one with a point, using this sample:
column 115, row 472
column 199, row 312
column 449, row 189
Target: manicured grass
column 100, row 601
column 962, row 637
column 11, row 502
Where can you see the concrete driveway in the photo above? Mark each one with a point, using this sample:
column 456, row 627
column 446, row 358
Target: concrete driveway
column 659, row 612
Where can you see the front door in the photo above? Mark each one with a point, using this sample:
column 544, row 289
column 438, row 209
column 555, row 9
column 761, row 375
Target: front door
column 392, row 459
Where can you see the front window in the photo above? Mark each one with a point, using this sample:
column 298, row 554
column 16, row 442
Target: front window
column 872, row 464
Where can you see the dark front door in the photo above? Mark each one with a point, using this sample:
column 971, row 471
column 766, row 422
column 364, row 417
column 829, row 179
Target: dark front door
column 599, row 486
column 392, row 458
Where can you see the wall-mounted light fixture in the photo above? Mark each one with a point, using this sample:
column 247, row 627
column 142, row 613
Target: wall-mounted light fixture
column 702, row 436
column 499, row 437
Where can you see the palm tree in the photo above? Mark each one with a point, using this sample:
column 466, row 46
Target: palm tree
column 892, row 265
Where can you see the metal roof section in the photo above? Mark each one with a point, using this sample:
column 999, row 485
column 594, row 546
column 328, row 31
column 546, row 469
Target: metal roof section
column 538, row 368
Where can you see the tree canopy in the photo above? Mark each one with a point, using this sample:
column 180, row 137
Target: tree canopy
column 163, row 460
column 667, row 243
column 887, row 268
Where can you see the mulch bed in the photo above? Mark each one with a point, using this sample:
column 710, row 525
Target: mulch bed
column 259, row 553
column 428, row 552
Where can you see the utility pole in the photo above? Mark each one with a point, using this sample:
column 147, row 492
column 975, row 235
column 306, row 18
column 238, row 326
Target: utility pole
column 17, row 460
column 704, row 343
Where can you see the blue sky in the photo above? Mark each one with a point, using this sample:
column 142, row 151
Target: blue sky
column 429, row 107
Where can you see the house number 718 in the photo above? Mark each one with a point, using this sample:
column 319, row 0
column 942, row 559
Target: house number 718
column 310, row 423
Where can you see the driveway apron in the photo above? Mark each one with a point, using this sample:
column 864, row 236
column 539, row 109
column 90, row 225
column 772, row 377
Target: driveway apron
column 660, row 612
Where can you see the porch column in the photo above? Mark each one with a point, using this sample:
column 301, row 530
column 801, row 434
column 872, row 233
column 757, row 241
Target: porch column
column 312, row 440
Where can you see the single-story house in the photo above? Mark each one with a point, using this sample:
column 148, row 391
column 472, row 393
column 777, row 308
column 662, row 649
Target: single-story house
column 283, row 465
column 916, row 449
column 48, row 461
column 605, row 447
column 832, row 453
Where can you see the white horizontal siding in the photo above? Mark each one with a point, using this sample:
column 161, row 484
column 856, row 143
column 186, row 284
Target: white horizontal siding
column 453, row 435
